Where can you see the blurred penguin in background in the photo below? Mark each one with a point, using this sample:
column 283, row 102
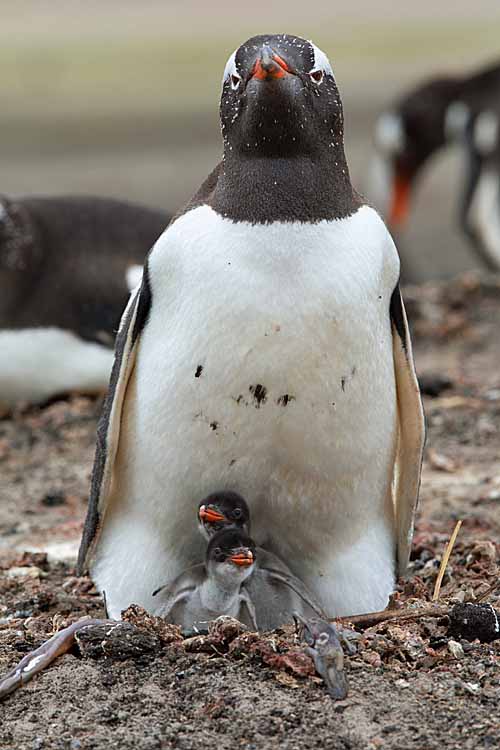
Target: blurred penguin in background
column 480, row 208
column 67, row 267
column 411, row 131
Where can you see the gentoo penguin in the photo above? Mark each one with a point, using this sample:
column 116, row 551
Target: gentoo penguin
column 325, row 648
column 207, row 591
column 275, row 592
column 480, row 209
column 267, row 351
column 220, row 510
column 67, row 266
column 413, row 129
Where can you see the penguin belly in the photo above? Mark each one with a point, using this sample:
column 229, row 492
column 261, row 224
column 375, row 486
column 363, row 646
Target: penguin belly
column 294, row 406
column 38, row 363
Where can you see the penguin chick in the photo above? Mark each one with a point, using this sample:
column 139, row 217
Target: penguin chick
column 325, row 649
column 206, row 591
column 275, row 592
column 221, row 510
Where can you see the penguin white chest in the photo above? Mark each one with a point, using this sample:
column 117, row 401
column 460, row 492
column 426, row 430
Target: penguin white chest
column 265, row 367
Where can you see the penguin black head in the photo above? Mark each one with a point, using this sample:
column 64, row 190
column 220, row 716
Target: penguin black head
column 221, row 510
column 408, row 134
column 279, row 98
column 231, row 555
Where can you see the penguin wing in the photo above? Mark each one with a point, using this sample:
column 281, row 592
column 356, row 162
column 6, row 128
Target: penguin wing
column 293, row 583
column 180, row 589
column 411, row 431
column 108, row 430
column 246, row 601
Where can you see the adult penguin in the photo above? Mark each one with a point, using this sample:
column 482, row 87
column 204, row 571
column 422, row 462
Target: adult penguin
column 266, row 352
column 480, row 208
column 67, row 267
column 413, row 129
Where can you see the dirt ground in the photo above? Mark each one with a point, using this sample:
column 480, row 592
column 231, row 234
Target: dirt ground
column 412, row 684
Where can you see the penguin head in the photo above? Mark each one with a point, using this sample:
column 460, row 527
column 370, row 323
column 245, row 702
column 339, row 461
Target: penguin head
column 279, row 98
column 405, row 137
column 222, row 510
column 231, row 556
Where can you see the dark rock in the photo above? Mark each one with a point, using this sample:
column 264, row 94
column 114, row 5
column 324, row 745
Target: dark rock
column 434, row 383
column 53, row 499
column 471, row 621
column 118, row 642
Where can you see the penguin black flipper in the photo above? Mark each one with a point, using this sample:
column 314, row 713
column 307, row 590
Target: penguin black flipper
column 411, row 437
column 288, row 579
column 108, row 430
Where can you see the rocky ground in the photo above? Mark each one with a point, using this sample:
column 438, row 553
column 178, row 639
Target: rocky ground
column 415, row 683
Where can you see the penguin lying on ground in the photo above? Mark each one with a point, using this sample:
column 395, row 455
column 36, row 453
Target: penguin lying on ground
column 424, row 120
column 275, row 592
column 67, row 267
column 267, row 350
column 206, row 591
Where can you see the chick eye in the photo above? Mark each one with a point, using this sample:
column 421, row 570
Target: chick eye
column 237, row 513
column 316, row 76
column 235, row 81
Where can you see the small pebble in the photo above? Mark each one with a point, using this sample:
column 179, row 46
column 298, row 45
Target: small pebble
column 455, row 649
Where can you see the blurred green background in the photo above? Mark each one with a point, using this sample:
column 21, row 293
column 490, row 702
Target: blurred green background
column 121, row 98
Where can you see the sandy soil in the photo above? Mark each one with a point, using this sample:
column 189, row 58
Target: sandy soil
column 410, row 684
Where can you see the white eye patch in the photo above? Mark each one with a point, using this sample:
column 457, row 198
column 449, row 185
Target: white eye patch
column 486, row 132
column 230, row 69
column 320, row 62
column 389, row 133
column 455, row 120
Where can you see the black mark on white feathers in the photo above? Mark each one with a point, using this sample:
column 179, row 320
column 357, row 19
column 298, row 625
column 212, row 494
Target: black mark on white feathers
column 285, row 399
column 214, row 425
column 346, row 378
column 259, row 393
column 199, row 370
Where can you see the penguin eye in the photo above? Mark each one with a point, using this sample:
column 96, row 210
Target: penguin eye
column 235, row 81
column 316, row 76
column 237, row 513
column 218, row 553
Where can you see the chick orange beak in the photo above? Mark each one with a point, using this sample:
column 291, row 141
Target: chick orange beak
column 210, row 515
column 400, row 201
column 242, row 558
column 269, row 65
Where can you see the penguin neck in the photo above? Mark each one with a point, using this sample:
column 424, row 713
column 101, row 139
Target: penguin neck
column 218, row 593
column 302, row 188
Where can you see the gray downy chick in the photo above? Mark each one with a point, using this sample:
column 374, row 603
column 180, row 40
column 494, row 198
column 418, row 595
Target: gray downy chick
column 275, row 592
column 206, row 591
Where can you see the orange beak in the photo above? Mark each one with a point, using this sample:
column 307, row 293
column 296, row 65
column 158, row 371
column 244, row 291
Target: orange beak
column 400, row 203
column 210, row 515
column 269, row 66
column 243, row 558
